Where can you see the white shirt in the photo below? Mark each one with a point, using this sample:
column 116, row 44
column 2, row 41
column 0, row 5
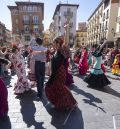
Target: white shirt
column 39, row 57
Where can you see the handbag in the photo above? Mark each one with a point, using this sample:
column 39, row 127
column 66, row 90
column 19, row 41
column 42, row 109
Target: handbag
column 31, row 76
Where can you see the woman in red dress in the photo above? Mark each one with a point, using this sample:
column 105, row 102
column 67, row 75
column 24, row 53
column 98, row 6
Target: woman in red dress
column 83, row 65
column 56, row 90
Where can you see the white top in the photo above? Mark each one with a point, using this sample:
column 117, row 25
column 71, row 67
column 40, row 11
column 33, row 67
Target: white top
column 39, row 57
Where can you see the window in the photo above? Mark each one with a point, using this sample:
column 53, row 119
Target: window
column 36, row 29
column 35, row 9
column 106, row 25
column 26, row 18
column 24, row 8
column 68, row 10
column 103, row 16
column 35, row 20
column 100, row 27
column 27, row 38
column 106, row 3
column 30, row 9
column 26, row 28
column 107, row 15
column 14, row 12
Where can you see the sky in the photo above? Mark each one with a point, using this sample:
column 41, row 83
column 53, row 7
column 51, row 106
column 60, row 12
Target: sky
column 86, row 8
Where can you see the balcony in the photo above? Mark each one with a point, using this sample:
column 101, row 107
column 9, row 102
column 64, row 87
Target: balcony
column 26, row 22
column 35, row 22
column 68, row 14
column 118, row 19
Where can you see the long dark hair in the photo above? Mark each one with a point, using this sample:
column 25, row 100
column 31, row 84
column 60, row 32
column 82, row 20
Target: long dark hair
column 59, row 40
column 14, row 48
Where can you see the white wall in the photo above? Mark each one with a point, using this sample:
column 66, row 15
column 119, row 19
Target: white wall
column 73, row 19
column 112, row 20
column 118, row 23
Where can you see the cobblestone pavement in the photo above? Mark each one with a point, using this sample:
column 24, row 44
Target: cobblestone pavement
column 96, row 109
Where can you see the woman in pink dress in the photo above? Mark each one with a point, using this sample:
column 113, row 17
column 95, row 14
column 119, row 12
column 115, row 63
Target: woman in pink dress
column 83, row 65
column 17, row 59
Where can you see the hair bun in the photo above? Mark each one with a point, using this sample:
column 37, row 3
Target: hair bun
column 14, row 45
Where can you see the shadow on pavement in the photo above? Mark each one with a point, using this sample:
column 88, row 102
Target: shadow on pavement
column 111, row 91
column 28, row 109
column 5, row 123
column 90, row 99
column 66, row 120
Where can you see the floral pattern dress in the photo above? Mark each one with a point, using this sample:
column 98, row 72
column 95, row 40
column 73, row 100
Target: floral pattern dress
column 22, row 84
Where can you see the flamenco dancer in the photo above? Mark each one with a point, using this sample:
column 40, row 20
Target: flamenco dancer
column 3, row 95
column 17, row 59
column 116, row 65
column 83, row 66
column 97, row 78
column 56, row 90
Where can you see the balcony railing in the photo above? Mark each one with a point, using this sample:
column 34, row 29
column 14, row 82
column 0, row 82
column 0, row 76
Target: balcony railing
column 68, row 14
column 26, row 22
column 35, row 22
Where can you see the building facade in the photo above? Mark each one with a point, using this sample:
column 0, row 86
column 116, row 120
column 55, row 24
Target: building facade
column 8, row 36
column 52, row 31
column 117, row 31
column 2, row 34
column 81, row 34
column 27, row 18
column 65, row 14
column 102, row 23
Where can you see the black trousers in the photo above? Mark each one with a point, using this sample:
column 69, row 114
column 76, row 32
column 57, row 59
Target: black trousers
column 40, row 75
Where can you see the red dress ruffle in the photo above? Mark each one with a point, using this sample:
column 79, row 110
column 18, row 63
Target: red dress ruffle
column 83, row 66
column 58, row 93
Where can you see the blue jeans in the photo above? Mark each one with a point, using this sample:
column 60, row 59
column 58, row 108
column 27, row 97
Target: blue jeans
column 40, row 75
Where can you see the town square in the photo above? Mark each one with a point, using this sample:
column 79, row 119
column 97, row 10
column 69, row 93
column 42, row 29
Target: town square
column 60, row 64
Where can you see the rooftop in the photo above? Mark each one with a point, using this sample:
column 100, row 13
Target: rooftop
column 26, row 3
column 29, row 3
column 59, row 5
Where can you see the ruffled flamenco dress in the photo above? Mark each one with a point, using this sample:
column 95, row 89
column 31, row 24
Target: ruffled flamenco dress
column 97, row 78
column 69, row 77
column 116, row 66
column 56, row 90
column 83, row 66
